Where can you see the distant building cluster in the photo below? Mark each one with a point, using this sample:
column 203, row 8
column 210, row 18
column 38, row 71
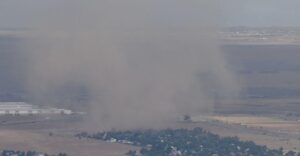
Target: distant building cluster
column 22, row 108
column 269, row 35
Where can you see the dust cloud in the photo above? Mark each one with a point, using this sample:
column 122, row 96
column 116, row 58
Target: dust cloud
column 141, row 63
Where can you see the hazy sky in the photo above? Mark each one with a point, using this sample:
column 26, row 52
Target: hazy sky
column 21, row 13
column 261, row 12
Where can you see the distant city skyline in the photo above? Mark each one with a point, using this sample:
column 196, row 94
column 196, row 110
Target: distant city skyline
column 15, row 14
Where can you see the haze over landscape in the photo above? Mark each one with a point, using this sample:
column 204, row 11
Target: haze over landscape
column 79, row 73
column 139, row 63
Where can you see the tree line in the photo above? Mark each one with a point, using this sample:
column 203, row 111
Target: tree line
column 184, row 142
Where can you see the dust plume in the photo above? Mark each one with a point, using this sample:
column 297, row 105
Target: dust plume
column 140, row 63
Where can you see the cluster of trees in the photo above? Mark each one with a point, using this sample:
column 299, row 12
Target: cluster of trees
column 183, row 142
column 28, row 153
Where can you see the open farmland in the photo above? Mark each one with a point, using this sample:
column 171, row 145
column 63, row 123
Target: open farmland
column 267, row 112
column 58, row 142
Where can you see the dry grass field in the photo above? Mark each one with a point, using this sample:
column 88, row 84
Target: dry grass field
column 273, row 132
column 42, row 142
